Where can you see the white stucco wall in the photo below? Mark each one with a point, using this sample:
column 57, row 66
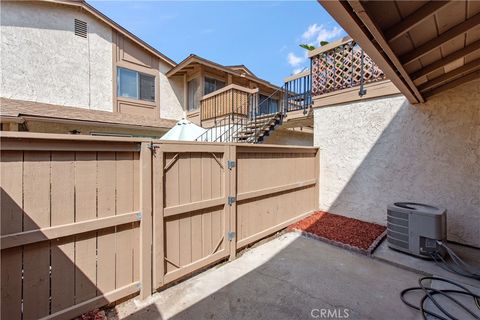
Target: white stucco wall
column 384, row 150
column 43, row 60
column 171, row 94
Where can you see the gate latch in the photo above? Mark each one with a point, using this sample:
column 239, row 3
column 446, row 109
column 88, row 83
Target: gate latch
column 231, row 200
column 230, row 164
column 230, row 235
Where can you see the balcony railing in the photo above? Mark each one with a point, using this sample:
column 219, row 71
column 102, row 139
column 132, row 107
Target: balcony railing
column 342, row 66
column 228, row 100
column 297, row 92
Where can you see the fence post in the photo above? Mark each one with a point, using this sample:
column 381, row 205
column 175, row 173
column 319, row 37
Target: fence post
column 146, row 223
column 233, row 208
column 317, row 176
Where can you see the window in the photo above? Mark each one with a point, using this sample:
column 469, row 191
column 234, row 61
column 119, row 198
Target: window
column 193, row 94
column 135, row 85
column 212, row 85
column 267, row 105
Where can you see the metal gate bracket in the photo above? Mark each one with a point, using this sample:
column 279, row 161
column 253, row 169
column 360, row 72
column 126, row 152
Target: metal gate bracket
column 231, row 200
column 230, row 235
column 230, row 164
column 139, row 216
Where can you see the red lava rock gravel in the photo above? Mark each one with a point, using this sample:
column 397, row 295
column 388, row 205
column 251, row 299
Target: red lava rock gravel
column 341, row 229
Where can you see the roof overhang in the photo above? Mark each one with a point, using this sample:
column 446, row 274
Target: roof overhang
column 424, row 47
column 188, row 63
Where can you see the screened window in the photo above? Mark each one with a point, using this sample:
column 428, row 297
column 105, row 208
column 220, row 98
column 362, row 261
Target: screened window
column 267, row 105
column 135, row 85
column 193, row 94
column 212, row 85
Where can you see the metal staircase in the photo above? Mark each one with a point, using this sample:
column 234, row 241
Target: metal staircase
column 257, row 129
column 259, row 123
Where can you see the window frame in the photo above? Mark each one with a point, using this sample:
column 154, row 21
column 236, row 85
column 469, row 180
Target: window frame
column 138, row 83
column 216, row 81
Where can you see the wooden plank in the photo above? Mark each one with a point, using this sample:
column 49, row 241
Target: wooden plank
column 431, row 45
column 11, row 170
column 158, row 222
column 94, row 303
column 136, row 226
column 193, row 206
column 36, row 257
column 207, row 195
column 467, row 68
column 172, row 230
column 58, row 145
column 217, row 229
column 106, row 168
column 62, row 213
column 446, row 60
column 414, row 19
column 146, row 223
column 271, row 230
column 196, row 196
column 52, row 233
column 273, row 190
column 318, row 177
column 179, row 148
column 124, row 235
column 85, row 209
column 185, row 270
column 455, row 83
column 185, row 247
column 67, row 137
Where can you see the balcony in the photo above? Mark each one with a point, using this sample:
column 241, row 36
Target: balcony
column 232, row 99
column 343, row 72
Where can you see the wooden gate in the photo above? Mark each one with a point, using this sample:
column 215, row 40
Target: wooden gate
column 192, row 220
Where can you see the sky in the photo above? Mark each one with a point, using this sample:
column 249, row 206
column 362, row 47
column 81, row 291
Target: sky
column 263, row 35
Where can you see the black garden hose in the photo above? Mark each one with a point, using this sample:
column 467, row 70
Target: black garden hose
column 429, row 294
column 458, row 267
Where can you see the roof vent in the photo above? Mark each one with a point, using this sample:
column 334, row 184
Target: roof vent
column 80, row 28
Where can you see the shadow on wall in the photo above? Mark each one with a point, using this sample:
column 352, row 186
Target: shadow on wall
column 385, row 150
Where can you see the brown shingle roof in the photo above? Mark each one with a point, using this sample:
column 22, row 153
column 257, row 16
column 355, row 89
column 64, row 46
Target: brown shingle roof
column 19, row 108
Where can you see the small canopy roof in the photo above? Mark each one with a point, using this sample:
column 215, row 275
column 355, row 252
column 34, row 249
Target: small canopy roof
column 183, row 130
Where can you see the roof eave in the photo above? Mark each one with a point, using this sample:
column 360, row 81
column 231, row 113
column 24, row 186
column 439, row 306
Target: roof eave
column 353, row 23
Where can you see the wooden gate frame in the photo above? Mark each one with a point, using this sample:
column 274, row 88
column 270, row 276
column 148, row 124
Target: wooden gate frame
column 159, row 167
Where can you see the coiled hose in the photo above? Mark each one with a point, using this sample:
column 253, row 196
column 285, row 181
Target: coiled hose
column 458, row 267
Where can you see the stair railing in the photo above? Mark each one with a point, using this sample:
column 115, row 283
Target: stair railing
column 228, row 128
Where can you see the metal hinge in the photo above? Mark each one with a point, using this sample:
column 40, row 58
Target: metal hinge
column 230, row 235
column 139, row 216
column 230, row 164
column 231, row 200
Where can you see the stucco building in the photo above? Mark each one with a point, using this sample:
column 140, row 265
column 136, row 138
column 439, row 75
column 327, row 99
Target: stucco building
column 67, row 68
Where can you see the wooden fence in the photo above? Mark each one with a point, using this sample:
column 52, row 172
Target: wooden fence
column 86, row 221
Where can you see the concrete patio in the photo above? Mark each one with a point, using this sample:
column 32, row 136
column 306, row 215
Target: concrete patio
column 290, row 277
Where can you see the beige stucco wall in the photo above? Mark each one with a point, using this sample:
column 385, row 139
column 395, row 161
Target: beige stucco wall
column 43, row 60
column 289, row 137
column 171, row 94
column 384, row 150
